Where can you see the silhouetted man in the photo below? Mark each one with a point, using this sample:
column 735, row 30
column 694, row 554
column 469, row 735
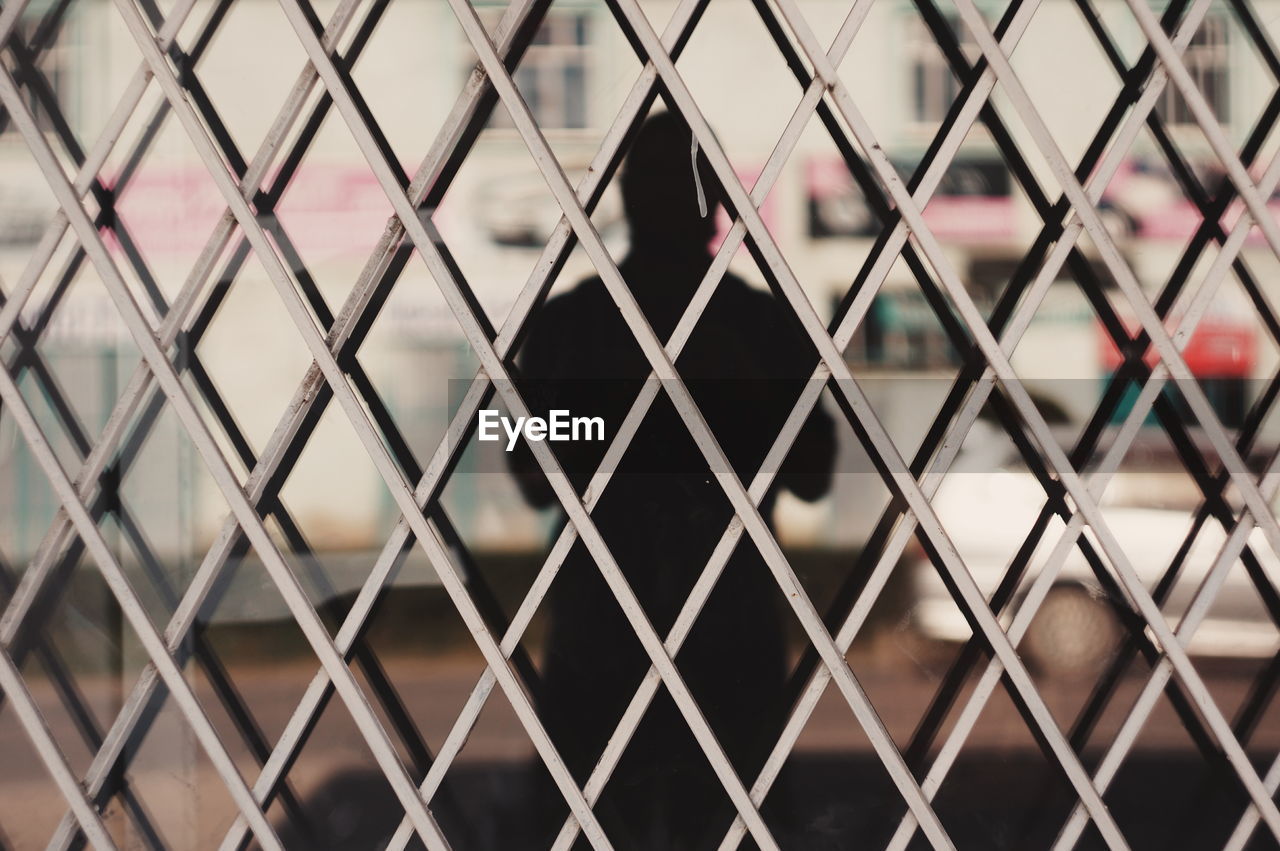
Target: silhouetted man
column 663, row 510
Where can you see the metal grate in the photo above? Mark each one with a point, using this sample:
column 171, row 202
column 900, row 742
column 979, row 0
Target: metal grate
column 251, row 188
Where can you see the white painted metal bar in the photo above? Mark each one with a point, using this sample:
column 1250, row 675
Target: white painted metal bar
column 496, row 369
column 600, row 479
column 107, row 756
column 33, row 724
column 286, row 434
column 9, row 17
column 409, row 221
column 85, row 176
column 60, row 535
column 186, row 301
column 1248, row 823
column 129, row 605
column 1110, row 255
column 1147, row 700
column 1201, row 694
column 204, row 443
column 1053, row 564
column 1054, row 455
column 1212, row 583
column 455, row 438
column 804, row 405
column 105, row 759
column 905, row 484
column 1094, row 188
column 341, row 675
column 1236, row 539
column 89, row 169
column 960, row 425
column 951, row 282
column 92, row 537
column 683, row 402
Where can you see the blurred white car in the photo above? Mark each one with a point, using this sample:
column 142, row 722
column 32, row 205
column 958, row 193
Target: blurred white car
column 988, row 505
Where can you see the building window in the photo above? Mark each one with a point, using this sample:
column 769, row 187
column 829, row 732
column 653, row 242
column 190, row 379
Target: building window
column 1206, row 60
column 901, row 331
column 49, row 78
column 552, row 75
column 933, row 87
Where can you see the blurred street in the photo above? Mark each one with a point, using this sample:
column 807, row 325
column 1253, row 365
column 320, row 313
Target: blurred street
column 1001, row 794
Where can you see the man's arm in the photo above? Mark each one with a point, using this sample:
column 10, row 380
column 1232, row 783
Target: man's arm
column 807, row 470
column 536, row 363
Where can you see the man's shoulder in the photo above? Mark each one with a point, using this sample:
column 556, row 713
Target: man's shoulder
column 585, row 296
column 748, row 302
column 589, row 301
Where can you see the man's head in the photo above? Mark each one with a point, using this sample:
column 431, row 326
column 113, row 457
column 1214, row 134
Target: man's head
column 659, row 193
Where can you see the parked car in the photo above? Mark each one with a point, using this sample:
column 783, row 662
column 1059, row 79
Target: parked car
column 988, row 505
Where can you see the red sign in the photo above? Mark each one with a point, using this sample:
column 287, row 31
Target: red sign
column 1220, row 347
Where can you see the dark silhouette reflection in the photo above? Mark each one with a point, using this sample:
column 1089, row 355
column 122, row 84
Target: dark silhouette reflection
column 998, row 799
column 663, row 512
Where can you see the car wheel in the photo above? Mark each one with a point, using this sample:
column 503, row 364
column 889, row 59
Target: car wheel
column 1073, row 634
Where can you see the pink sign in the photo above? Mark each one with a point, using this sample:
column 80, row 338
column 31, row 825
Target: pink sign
column 973, row 203
column 1155, row 206
column 327, row 210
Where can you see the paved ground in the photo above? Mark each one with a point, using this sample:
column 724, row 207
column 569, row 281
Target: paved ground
column 1002, row 794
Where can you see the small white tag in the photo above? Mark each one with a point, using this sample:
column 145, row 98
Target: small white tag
column 697, row 178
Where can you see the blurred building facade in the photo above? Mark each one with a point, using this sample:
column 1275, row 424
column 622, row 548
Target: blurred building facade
column 498, row 214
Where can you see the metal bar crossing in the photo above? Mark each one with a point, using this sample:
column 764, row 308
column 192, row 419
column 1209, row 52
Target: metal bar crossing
column 247, row 228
